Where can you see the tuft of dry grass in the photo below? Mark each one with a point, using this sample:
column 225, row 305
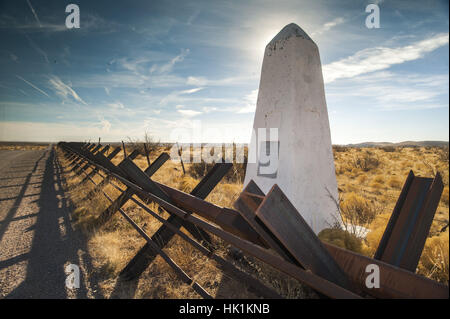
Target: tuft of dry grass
column 366, row 161
column 341, row 238
column 395, row 183
column 377, row 228
column 376, row 186
column 187, row 184
column 356, row 212
column 434, row 260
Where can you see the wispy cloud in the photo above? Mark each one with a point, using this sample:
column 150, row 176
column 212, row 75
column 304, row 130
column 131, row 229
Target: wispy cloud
column 127, row 80
column 135, row 65
column 175, row 96
column 167, row 67
column 400, row 91
column 63, row 90
column 189, row 113
column 32, row 85
column 229, row 81
column 190, row 91
column 90, row 23
column 248, row 105
column 116, row 105
column 34, row 13
column 327, row 26
column 250, row 102
column 380, row 58
column 208, row 109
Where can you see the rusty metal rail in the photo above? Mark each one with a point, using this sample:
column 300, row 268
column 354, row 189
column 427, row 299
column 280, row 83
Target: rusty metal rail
column 395, row 282
column 332, row 271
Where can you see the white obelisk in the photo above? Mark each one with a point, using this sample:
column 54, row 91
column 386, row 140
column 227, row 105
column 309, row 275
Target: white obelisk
column 291, row 99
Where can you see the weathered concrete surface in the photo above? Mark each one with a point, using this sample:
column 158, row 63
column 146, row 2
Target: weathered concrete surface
column 292, row 98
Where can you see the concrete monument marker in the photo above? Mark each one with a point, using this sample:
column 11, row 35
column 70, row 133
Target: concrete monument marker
column 291, row 105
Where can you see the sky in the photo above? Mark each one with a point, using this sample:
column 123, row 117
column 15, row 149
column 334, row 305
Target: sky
column 158, row 66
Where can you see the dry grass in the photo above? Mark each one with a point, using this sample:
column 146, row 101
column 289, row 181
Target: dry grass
column 113, row 244
column 395, row 182
column 22, row 146
column 434, row 260
column 356, row 212
column 369, row 182
column 380, row 186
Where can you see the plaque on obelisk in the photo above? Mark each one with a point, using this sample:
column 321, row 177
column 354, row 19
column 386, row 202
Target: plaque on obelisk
column 291, row 141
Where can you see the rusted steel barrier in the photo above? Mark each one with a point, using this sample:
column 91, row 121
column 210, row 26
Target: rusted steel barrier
column 255, row 286
column 407, row 230
column 264, row 226
column 394, row 281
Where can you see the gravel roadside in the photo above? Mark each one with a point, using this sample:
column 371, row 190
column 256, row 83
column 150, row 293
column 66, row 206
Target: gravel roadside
column 37, row 240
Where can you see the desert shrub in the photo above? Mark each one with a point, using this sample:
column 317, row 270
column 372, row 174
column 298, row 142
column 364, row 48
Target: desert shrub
column 430, row 168
column 237, row 172
column 340, row 148
column 167, row 147
column 356, row 212
column 198, row 170
column 388, row 149
column 151, row 144
column 235, row 175
column 395, row 182
column 434, row 260
column 341, row 238
column 377, row 228
column 443, row 154
column 339, row 169
column 365, row 161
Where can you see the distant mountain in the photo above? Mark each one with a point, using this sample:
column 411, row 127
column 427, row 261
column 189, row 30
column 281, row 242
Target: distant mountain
column 403, row 144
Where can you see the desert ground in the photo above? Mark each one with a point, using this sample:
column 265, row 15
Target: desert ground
column 369, row 181
column 11, row 146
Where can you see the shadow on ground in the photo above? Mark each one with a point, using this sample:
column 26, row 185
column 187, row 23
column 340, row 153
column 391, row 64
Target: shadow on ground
column 55, row 244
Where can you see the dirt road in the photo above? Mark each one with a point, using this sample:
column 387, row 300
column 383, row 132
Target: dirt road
column 37, row 240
